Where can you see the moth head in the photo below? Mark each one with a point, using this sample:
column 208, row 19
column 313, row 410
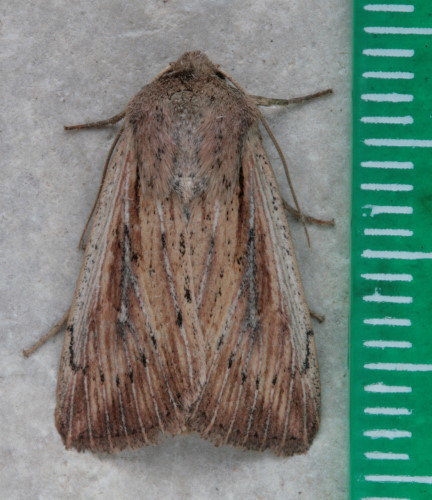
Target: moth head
column 194, row 63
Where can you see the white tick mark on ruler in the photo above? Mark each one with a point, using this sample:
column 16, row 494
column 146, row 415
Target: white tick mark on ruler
column 393, row 30
column 390, row 120
column 387, row 434
column 387, row 411
column 386, row 187
column 403, row 165
column 388, row 52
column 399, row 479
column 388, row 344
column 379, row 455
column 399, row 367
column 387, row 277
column 390, row 299
column 392, row 97
column 384, row 498
column 399, row 143
column 389, row 75
column 395, row 254
column 389, row 7
column 379, row 209
column 387, row 321
column 387, row 389
column 387, row 232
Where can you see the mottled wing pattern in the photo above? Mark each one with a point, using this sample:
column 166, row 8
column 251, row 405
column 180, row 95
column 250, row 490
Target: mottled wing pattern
column 132, row 358
column 262, row 389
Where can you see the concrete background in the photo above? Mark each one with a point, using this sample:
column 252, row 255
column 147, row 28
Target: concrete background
column 67, row 62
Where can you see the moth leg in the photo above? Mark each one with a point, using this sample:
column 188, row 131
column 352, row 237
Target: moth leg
column 268, row 101
column 307, row 218
column 318, row 317
column 54, row 331
column 99, row 124
column 312, row 220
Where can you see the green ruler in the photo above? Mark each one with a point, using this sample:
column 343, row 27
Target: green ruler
column 391, row 315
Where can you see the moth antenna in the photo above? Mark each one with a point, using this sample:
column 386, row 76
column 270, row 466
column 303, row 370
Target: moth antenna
column 81, row 244
column 268, row 101
column 285, row 165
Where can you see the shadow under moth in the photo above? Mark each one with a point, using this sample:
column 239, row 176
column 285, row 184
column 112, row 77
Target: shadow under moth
column 189, row 313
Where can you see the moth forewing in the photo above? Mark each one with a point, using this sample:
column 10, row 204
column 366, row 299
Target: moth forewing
column 189, row 312
column 262, row 389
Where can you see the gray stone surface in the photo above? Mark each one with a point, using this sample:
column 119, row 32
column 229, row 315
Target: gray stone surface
column 66, row 62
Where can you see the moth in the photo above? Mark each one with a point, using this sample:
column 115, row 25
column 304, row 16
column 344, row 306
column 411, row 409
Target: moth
column 189, row 313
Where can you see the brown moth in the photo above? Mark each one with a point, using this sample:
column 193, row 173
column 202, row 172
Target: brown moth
column 189, row 313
